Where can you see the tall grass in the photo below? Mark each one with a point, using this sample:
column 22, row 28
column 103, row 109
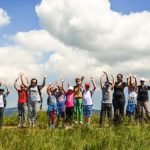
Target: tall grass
column 80, row 137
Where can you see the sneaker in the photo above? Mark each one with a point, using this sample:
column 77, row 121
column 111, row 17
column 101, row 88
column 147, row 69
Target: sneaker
column 81, row 122
column 24, row 125
column 19, row 125
column 34, row 125
column 76, row 122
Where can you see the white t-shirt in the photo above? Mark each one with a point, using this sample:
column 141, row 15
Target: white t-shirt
column 132, row 96
column 87, row 97
column 34, row 94
column 1, row 101
column 2, row 98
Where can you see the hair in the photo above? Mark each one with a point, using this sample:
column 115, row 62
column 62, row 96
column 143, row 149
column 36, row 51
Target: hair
column 120, row 75
column 34, row 79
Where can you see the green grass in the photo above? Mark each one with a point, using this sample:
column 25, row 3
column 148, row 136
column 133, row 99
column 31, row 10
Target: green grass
column 123, row 137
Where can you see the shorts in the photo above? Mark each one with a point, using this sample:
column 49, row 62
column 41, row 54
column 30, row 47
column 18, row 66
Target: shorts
column 61, row 112
column 131, row 107
column 87, row 110
column 52, row 108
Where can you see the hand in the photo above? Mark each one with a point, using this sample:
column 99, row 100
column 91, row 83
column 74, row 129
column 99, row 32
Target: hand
column 134, row 75
column 130, row 75
column 50, row 84
column 45, row 76
column 62, row 80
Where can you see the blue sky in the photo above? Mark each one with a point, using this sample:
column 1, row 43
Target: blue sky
column 24, row 18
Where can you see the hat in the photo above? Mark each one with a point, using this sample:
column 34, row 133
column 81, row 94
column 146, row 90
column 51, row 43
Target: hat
column 142, row 79
column 1, row 89
column 70, row 88
column 87, row 85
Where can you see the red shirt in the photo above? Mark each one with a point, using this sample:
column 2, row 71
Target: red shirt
column 22, row 96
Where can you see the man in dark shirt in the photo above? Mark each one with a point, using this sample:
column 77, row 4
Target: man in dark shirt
column 142, row 98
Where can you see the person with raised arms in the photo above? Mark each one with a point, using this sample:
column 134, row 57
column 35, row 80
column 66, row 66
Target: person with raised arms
column 22, row 103
column 132, row 96
column 70, row 95
column 119, row 99
column 142, row 98
column 107, row 96
column 87, row 101
column 3, row 102
column 34, row 98
column 52, row 105
column 78, row 89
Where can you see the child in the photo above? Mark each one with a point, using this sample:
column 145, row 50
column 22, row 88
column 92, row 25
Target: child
column 22, row 104
column 69, row 104
column 107, row 96
column 132, row 97
column 2, row 103
column 52, row 105
column 87, row 102
column 60, row 96
column 78, row 100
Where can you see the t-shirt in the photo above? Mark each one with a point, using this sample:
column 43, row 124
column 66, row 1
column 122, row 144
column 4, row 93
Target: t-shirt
column 132, row 96
column 34, row 95
column 2, row 97
column 119, row 91
column 69, row 99
column 143, row 93
column 87, row 97
column 107, row 94
column 61, row 100
column 22, row 96
column 78, row 92
column 51, row 100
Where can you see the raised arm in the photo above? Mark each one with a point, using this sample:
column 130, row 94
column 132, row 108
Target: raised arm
column 101, row 83
column 62, row 85
column 44, row 81
column 94, row 84
column 21, row 77
column 7, row 92
column 49, row 89
column 107, row 79
column 15, row 84
column 113, row 82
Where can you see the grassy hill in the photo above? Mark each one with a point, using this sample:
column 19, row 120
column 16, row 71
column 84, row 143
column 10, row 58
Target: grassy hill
column 124, row 137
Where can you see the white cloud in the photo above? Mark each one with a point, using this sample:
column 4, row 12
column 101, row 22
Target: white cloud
column 80, row 37
column 4, row 18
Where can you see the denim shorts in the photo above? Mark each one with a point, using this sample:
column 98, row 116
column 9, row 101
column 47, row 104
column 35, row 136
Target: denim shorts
column 87, row 110
column 131, row 107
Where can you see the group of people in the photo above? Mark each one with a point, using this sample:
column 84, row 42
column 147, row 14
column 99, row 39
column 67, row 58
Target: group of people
column 74, row 105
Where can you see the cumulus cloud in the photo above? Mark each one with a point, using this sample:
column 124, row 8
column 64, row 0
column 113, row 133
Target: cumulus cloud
column 119, row 43
column 81, row 37
column 4, row 18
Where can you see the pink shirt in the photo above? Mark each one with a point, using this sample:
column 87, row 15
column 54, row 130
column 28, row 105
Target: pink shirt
column 69, row 99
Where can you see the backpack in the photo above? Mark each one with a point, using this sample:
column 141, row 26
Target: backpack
column 4, row 100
